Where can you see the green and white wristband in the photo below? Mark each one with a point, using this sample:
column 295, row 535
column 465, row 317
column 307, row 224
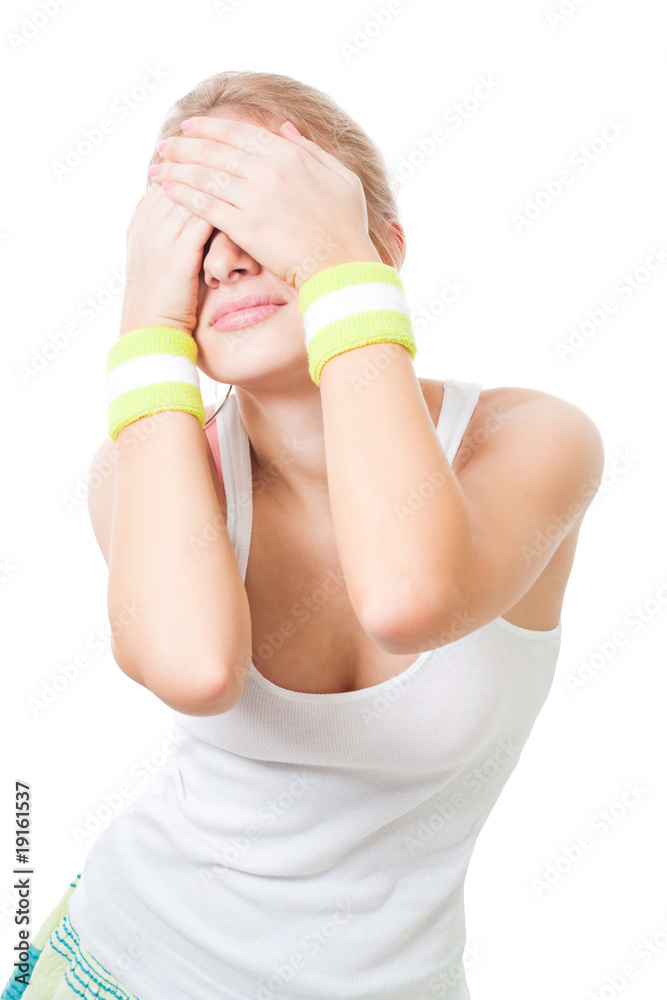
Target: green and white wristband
column 152, row 369
column 350, row 305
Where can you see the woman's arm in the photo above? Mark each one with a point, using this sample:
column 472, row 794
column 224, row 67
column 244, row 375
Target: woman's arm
column 174, row 583
column 176, row 600
column 468, row 548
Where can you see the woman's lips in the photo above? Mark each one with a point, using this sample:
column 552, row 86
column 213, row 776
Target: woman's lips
column 245, row 317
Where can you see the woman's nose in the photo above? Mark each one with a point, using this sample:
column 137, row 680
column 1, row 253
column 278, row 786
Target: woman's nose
column 224, row 257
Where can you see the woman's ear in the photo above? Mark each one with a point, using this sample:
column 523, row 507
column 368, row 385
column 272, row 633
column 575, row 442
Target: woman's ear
column 398, row 237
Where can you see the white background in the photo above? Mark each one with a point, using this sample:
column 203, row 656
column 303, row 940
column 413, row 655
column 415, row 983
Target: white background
column 557, row 81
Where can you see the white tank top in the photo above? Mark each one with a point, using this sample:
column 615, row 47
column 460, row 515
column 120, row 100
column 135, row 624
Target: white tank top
column 305, row 846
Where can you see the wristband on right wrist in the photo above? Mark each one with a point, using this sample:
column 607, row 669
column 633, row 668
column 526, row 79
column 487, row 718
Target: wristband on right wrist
column 152, row 369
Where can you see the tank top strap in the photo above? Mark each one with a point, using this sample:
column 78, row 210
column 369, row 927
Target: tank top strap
column 236, row 471
column 458, row 405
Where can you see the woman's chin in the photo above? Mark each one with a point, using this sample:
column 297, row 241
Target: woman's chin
column 250, row 371
column 245, row 354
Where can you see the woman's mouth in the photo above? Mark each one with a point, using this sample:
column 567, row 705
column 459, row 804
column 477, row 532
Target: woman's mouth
column 246, row 317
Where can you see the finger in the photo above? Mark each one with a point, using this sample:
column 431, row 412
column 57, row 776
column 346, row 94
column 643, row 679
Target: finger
column 208, row 180
column 220, row 214
column 127, row 231
column 178, row 220
column 258, row 139
column 321, row 155
column 196, row 230
column 179, row 224
column 172, row 219
column 151, row 194
column 209, row 152
column 164, row 209
column 241, row 135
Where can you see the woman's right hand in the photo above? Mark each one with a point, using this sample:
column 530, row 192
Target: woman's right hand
column 165, row 242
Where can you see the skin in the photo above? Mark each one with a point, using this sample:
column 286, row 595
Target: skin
column 527, row 469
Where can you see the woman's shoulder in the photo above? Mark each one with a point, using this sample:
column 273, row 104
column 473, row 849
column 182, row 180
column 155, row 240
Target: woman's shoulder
column 496, row 401
column 506, row 399
column 539, row 420
column 525, row 412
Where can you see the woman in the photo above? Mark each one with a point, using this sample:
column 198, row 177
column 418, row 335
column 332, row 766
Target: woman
column 355, row 687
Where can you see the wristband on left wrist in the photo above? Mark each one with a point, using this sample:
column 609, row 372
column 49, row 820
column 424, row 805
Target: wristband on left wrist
column 351, row 305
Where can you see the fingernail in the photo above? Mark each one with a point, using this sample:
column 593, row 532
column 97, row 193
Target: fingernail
column 292, row 128
column 160, row 146
column 186, row 124
column 167, row 185
column 155, row 169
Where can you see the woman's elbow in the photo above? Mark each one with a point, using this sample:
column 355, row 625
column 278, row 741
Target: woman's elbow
column 398, row 633
column 209, row 696
column 200, row 692
column 412, row 628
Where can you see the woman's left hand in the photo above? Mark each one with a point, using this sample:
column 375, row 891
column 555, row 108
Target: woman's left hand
column 285, row 201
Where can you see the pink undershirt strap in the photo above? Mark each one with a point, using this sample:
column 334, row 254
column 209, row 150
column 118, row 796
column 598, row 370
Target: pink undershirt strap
column 212, row 435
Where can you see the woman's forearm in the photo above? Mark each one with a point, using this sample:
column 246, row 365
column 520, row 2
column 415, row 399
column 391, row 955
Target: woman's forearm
column 400, row 516
column 188, row 635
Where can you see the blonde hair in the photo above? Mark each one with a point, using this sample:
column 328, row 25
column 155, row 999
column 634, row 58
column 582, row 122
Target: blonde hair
column 272, row 98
